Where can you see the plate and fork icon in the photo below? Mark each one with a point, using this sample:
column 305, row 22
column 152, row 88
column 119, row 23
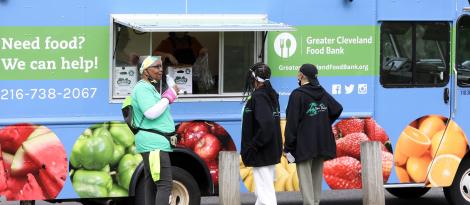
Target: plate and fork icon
column 285, row 45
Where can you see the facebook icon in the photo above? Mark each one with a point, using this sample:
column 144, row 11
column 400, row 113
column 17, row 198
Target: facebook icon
column 336, row 89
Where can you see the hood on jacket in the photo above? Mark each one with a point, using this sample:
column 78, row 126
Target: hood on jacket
column 315, row 91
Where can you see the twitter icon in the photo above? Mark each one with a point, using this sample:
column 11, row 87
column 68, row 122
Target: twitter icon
column 348, row 89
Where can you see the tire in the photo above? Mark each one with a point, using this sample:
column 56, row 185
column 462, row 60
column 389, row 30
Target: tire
column 408, row 192
column 458, row 193
column 185, row 189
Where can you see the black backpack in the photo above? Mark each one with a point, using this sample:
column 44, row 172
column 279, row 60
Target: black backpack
column 128, row 114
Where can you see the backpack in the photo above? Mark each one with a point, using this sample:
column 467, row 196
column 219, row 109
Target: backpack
column 128, row 114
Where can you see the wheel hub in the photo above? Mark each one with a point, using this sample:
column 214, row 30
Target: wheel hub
column 465, row 185
column 179, row 194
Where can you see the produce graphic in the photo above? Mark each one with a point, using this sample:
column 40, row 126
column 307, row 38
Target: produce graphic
column 286, row 174
column 206, row 139
column 430, row 151
column 344, row 171
column 33, row 162
column 103, row 160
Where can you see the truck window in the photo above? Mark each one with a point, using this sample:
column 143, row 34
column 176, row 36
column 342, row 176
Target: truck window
column 463, row 52
column 414, row 54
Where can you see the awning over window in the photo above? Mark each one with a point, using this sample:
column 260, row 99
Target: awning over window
column 199, row 22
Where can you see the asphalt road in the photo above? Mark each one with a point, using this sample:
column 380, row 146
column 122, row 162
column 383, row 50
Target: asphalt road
column 345, row 197
column 342, row 197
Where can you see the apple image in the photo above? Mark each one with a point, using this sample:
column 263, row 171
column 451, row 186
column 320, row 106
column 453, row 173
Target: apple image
column 230, row 146
column 182, row 127
column 208, row 147
column 193, row 133
column 214, row 171
column 217, row 130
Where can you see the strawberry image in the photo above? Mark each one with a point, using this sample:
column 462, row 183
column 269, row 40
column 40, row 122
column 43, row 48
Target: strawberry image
column 383, row 148
column 343, row 173
column 335, row 132
column 374, row 131
column 350, row 145
column 350, row 125
column 387, row 162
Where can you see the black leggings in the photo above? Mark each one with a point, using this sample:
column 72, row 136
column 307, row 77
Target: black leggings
column 162, row 186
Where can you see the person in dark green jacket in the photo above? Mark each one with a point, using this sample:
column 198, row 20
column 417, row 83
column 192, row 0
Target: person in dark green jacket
column 261, row 145
column 309, row 138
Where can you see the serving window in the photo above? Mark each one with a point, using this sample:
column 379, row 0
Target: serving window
column 208, row 60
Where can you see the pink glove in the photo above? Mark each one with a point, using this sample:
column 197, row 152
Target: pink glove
column 170, row 94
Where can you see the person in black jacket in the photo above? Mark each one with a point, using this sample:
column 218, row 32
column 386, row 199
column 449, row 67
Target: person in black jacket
column 261, row 145
column 309, row 138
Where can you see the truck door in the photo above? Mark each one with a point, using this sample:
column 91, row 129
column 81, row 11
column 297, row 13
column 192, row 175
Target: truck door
column 413, row 96
column 461, row 109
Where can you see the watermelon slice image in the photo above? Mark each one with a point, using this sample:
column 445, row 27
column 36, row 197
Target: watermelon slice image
column 7, row 161
column 31, row 190
column 22, row 164
column 15, row 184
column 33, row 162
column 3, row 174
column 48, row 153
column 8, row 194
column 51, row 186
column 40, row 130
column 12, row 136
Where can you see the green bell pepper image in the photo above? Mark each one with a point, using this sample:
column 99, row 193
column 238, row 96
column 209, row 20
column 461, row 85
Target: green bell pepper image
column 126, row 168
column 104, row 159
column 90, row 184
column 118, row 153
column 93, row 151
column 121, row 134
column 117, row 191
column 131, row 150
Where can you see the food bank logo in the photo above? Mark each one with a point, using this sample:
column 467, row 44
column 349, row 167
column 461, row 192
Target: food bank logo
column 285, row 45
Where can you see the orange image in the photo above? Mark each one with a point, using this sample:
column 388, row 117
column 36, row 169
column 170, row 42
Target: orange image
column 428, row 151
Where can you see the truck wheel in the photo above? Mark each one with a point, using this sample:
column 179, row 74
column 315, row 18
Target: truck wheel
column 408, row 192
column 185, row 189
column 458, row 193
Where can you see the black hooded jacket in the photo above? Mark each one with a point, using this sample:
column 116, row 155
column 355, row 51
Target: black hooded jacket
column 310, row 113
column 261, row 143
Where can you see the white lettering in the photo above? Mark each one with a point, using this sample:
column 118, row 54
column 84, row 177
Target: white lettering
column 354, row 40
column 10, row 43
column 315, row 51
column 289, row 67
column 42, row 65
column 11, row 64
column 334, row 51
column 319, row 41
column 81, row 63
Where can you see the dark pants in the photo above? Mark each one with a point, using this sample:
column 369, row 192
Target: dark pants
column 162, row 186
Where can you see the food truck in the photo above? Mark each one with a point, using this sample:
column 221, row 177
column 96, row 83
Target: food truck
column 401, row 70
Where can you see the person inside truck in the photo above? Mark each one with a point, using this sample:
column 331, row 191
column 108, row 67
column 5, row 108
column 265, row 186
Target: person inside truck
column 181, row 49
